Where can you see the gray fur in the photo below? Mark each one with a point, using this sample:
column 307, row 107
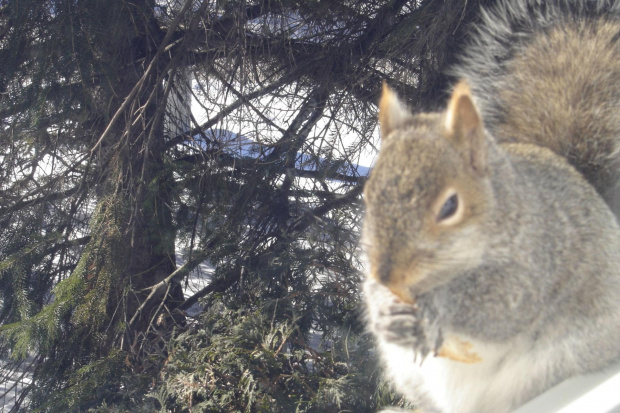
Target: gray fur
column 533, row 265
column 530, row 91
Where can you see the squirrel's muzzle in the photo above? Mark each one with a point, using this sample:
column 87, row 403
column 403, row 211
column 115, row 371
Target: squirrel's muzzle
column 398, row 280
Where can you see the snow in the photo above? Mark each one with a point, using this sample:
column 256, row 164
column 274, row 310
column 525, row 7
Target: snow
column 198, row 279
column 11, row 386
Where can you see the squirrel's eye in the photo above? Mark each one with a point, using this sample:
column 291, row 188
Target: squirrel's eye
column 448, row 208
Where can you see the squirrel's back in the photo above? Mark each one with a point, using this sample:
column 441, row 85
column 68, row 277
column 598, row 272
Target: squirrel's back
column 548, row 73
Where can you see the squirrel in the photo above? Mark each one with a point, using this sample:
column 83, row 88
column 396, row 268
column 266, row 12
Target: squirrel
column 492, row 244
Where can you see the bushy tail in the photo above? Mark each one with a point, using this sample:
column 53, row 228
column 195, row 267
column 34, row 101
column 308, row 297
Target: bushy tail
column 548, row 73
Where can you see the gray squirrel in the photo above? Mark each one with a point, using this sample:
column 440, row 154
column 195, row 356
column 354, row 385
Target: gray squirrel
column 492, row 245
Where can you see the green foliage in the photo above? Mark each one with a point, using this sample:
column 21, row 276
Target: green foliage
column 102, row 190
column 80, row 318
column 241, row 361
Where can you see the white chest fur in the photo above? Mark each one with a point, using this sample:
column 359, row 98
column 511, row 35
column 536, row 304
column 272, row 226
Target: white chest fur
column 507, row 376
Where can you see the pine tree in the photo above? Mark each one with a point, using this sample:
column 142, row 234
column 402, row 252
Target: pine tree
column 104, row 184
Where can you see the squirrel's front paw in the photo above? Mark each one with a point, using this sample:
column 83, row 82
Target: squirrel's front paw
column 400, row 323
column 403, row 324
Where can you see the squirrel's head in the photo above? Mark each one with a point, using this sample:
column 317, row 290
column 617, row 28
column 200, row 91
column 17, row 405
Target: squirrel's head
column 427, row 195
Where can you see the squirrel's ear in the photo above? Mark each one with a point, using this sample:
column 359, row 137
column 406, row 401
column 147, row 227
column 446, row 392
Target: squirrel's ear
column 392, row 114
column 464, row 127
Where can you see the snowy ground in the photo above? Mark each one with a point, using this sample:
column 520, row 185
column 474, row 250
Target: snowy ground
column 11, row 388
column 197, row 280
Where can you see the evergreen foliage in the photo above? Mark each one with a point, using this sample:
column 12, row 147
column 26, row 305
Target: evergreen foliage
column 243, row 361
column 111, row 198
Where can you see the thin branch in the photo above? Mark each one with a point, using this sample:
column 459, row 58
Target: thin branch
column 134, row 91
